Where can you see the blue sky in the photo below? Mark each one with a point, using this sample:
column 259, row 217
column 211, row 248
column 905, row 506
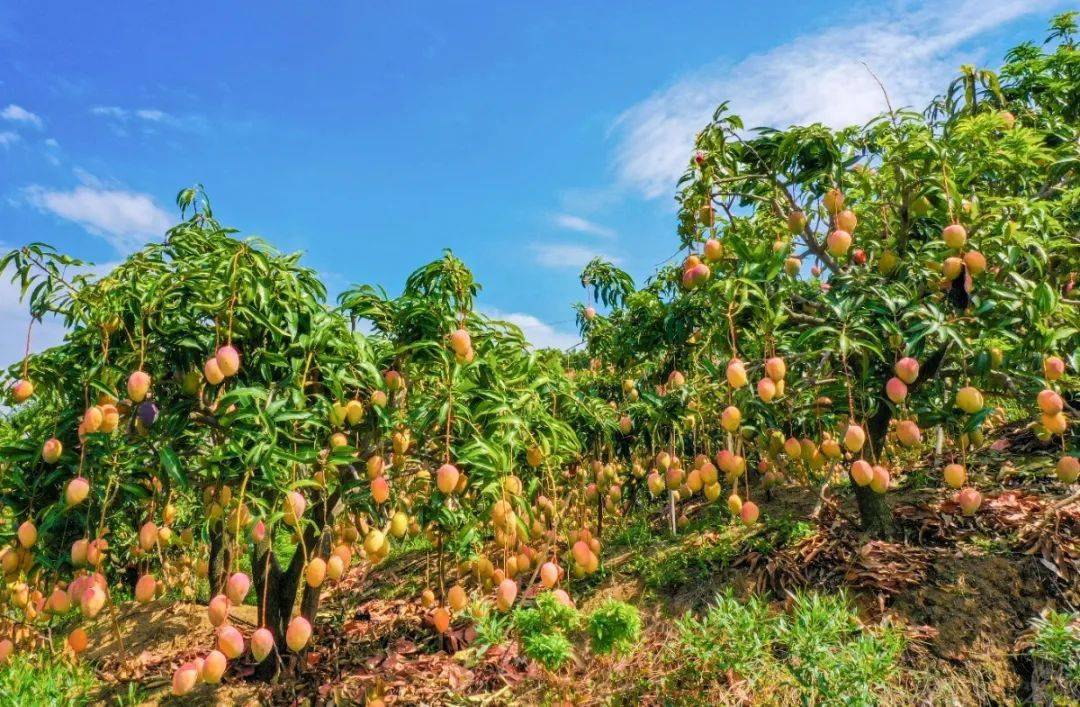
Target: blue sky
column 525, row 136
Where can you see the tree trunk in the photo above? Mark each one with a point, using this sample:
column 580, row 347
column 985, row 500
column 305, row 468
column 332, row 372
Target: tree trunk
column 875, row 516
column 219, row 558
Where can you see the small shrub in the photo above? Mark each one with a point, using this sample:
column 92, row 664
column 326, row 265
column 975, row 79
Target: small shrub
column 552, row 649
column 830, row 656
column 1057, row 641
column 491, row 627
column 614, row 626
column 732, row 635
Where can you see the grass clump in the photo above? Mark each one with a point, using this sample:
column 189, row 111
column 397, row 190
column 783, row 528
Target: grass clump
column 1057, row 642
column 818, row 651
column 45, row 679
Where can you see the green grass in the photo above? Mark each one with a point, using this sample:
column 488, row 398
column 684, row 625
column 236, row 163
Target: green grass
column 33, row 679
column 1057, row 641
column 817, row 650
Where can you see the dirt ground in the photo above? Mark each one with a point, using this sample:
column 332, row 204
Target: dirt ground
column 964, row 590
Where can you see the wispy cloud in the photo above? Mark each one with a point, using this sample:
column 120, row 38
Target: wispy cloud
column 914, row 48
column 18, row 114
column 126, row 219
column 540, row 334
column 147, row 117
column 567, row 255
column 581, row 225
column 8, row 138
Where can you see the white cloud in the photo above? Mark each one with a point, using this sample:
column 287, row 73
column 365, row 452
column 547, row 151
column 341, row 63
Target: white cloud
column 126, row 219
column 539, row 334
column 109, row 111
column 914, row 49
column 567, row 255
column 8, row 138
column 119, row 116
column 151, row 114
column 581, row 225
column 18, row 114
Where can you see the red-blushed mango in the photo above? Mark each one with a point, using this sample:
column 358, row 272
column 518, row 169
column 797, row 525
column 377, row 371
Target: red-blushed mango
column 1055, row 424
column 212, row 372
column 457, row 598
column 315, row 573
column 838, row 243
column 734, row 504
column 975, row 263
column 833, row 200
column 775, row 368
column 76, row 492
column 262, row 643
column 218, row 610
column 506, row 594
column 138, row 385
column 861, row 472
column 79, row 552
column 846, row 221
column 446, row 478
column 460, row 342
column 854, row 437
column 792, row 448
column 549, row 574
column 1068, row 469
column 298, row 634
column 1053, row 368
column 954, row 235
column 335, row 567
column 736, row 373
column 295, row 505
column 796, row 221
column 236, row 588
column 766, row 389
column 393, row 380
column 145, row 588
column 880, row 482
column 230, row 641
column 27, row 534
column 969, row 399
column 955, row 475
column 969, row 500
column 92, row 601
column 1050, row 402
column 676, row 379
column 21, row 390
column 184, row 679
column 148, row 536
column 51, row 450
column 749, row 513
column 92, row 419
column 59, row 602
column 354, row 412
column 907, row 369
column 77, row 640
column 590, row 313
column 213, row 667
column 713, row 250
column 908, row 433
column 896, row 390
column 380, row 489
column 228, row 361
